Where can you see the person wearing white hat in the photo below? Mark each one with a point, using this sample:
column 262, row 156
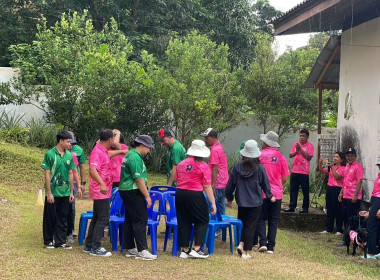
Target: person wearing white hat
column 193, row 176
column 277, row 170
column 248, row 180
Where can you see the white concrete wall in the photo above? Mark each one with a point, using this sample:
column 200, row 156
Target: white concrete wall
column 29, row 111
column 359, row 99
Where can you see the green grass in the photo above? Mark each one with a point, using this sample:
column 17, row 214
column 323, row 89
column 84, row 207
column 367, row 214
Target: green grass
column 298, row 255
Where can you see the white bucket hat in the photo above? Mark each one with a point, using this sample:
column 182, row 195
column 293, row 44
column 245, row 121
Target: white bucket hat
column 250, row 149
column 198, row 149
column 270, row 139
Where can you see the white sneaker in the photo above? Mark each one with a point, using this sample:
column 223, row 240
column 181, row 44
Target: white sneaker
column 131, row 253
column 50, row 246
column 246, row 256
column 184, row 255
column 145, row 255
column 270, row 252
column 198, row 254
column 239, row 250
column 263, row 249
column 70, row 239
column 64, row 246
column 101, row 252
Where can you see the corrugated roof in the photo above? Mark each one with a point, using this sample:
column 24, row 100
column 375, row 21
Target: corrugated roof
column 327, row 66
column 326, row 15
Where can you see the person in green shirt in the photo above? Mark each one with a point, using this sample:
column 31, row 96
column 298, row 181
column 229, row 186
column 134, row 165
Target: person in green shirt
column 134, row 193
column 177, row 153
column 59, row 187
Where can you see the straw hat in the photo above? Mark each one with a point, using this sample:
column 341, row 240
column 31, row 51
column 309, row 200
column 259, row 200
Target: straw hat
column 198, row 149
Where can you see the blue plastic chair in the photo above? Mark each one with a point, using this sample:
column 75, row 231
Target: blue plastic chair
column 117, row 217
column 170, row 221
column 161, row 189
column 83, row 222
column 238, row 227
column 216, row 222
column 153, row 219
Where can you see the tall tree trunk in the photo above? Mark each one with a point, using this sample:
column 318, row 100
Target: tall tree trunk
column 98, row 21
column 135, row 8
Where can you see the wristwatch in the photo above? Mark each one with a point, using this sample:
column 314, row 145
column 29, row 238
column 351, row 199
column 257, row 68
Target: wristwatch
column 83, row 183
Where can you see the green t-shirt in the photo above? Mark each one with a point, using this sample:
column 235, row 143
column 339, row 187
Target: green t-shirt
column 132, row 168
column 59, row 167
column 78, row 151
column 177, row 153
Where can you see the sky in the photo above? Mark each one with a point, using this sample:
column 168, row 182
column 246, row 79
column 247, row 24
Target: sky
column 294, row 41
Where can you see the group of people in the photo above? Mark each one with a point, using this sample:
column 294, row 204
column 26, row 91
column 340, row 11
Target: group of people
column 256, row 182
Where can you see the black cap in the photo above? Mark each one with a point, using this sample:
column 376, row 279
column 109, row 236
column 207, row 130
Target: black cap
column 210, row 132
column 351, row 151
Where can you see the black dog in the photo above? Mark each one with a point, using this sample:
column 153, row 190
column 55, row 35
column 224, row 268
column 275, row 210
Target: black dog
column 356, row 235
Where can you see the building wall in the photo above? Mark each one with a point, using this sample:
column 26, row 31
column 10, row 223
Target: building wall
column 29, row 111
column 359, row 98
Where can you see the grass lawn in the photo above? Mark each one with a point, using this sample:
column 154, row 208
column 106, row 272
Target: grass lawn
column 298, row 255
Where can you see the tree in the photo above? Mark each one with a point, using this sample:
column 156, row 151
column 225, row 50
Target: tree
column 88, row 81
column 275, row 92
column 198, row 88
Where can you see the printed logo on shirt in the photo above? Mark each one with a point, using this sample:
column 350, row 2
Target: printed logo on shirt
column 189, row 168
column 137, row 174
column 93, row 163
column 68, row 162
column 351, row 170
column 274, row 159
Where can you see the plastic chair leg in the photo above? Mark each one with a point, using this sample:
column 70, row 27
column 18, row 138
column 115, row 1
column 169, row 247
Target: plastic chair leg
column 113, row 234
column 175, row 242
column 153, row 238
column 82, row 230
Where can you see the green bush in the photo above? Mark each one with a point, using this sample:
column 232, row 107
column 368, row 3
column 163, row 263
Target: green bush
column 156, row 159
column 41, row 134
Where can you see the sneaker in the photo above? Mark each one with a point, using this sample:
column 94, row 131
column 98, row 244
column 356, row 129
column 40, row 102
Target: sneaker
column 198, row 254
column 87, row 250
column 303, row 211
column 377, row 256
column 74, row 234
column 256, row 245
column 338, row 233
column 270, row 252
column 131, row 253
column 50, row 246
column 289, row 210
column 239, row 250
column 70, row 239
column 184, row 255
column 270, row 249
column 369, row 257
column 246, row 256
column 218, row 233
column 145, row 255
column 263, row 249
column 64, row 246
column 323, row 232
column 101, row 252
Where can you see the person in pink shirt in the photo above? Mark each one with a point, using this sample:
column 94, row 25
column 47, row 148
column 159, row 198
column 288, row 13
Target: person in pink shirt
column 193, row 176
column 373, row 222
column 351, row 193
column 302, row 151
column 277, row 170
column 117, row 154
column 219, row 168
column 335, row 171
column 100, row 191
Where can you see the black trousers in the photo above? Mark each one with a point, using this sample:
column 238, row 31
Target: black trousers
column 249, row 216
column 334, row 209
column 192, row 208
column 295, row 181
column 349, row 209
column 100, row 220
column 271, row 212
column 55, row 220
column 136, row 220
column 373, row 227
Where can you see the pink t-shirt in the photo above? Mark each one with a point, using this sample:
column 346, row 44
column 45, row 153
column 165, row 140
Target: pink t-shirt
column 116, row 164
column 101, row 161
column 218, row 157
column 332, row 181
column 376, row 187
column 75, row 159
column 192, row 175
column 352, row 173
column 300, row 164
column 276, row 167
